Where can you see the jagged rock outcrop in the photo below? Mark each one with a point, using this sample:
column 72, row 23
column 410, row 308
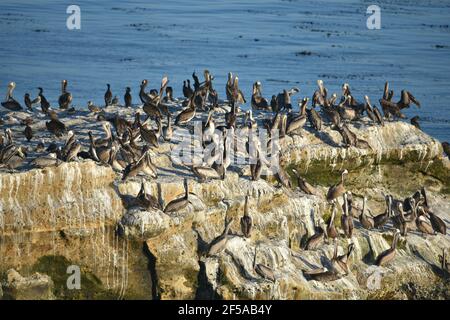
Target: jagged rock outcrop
column 74, row 209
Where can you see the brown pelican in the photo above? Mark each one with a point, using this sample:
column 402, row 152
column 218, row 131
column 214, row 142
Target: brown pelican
column 187, row 114
column 108, row 135
column 229, row 87
column 65, row 98
column 331, row 228
column 92, row 150
column 169, row 95
column 49, row 160
column 145, row 98
column 298, row 122
column 262, row 270
column 342, row 260
column 388, row 255
column 405, row 100
column 151, row 136
column 72, row 152
column 146, row 200
column 180, row 203
column 284, row 98
column 324, row 275
column 28, row 132
column 316, row 239
column 108, row 95
column 422, row 224
column 347, row 219
column 246, row 220
column 258, row 102
column 55, row 126
column 205, row 173
column 45, row 105
column 304, row 185
column 381, row 219
column 144, row 165
column 10, row 103
column 314, row 118
column 338, row 189
column 378, row 115
column 167, row 131
column 256, row 167
column 366, row 220
column 369, row 110
column 282, row 177
column 219, row 243
column 320, row 95
column 415, row 122
column 437, row 223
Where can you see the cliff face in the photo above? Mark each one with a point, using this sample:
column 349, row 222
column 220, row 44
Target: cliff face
column 73, row 210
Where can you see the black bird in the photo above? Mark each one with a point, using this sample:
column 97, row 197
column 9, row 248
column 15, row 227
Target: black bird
column 28, row 132
column 446, row 147
column 127, row 98
column 108, row 96
column 55, row 126
column 45, row 105
column 415, row 122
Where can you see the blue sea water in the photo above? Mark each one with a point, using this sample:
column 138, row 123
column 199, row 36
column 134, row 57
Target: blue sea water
column 282, row 43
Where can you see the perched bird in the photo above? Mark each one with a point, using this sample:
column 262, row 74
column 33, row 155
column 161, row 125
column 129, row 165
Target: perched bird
column 388, row 255
column 446, row 148
column 108, row 95
column 180, row 203
column 65, row 99
column 246, row 220
column 28, row 133
column 338, row 189
column 45, row 105
column 55, row 126
column 415, row 122
column 127, row 98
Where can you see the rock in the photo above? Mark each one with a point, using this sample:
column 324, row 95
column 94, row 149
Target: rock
column 35, row 287
column 80, row 199
column 144, row 224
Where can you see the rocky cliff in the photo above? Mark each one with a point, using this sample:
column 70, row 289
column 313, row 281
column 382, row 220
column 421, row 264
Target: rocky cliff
column 77, row 213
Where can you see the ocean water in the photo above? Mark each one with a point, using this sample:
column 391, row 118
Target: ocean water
column 282, row 43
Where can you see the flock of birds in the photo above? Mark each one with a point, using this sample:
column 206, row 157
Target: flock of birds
column 127, row 150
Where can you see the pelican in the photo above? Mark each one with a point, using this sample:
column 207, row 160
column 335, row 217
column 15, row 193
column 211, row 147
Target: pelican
column 66, row 97
column 347, row 219
column 218, row 244
column 338, row 189
column 388, row 255
column 262, row 270
column 180, row 203
column 246, row 220
column 366, row 220
column 10, row 103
